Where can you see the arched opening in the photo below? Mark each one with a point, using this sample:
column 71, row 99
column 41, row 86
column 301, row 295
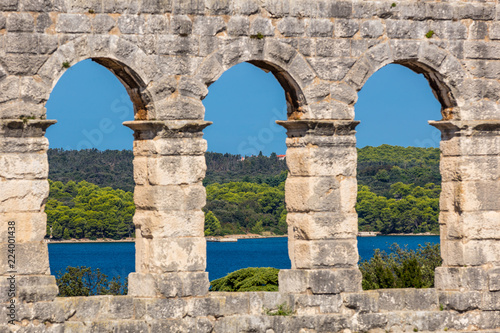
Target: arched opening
column 246, row 170
column 398, row 169
column 90, row 205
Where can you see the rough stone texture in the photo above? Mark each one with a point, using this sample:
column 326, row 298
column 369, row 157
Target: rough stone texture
column 166, row 53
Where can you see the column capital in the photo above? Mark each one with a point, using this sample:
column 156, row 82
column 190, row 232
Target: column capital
column 21, row 128
column 317, row 127
column 149, row 129
column 451, row 128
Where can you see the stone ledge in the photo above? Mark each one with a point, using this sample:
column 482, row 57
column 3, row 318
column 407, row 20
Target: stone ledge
column 466, row 127
column 24, row 127
column 300, row 128
column 149, row 129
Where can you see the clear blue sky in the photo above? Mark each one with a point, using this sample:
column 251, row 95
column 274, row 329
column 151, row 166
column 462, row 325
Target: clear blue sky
column 90, row 105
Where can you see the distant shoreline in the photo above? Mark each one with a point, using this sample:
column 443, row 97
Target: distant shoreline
column 238, row 236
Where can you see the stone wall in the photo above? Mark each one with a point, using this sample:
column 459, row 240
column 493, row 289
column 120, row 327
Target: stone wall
column 166, row 53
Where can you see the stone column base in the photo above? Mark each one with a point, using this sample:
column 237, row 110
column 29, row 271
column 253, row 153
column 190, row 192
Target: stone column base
column 467, row 278
column 320, row 281
column 28, row 288
column 176, row 284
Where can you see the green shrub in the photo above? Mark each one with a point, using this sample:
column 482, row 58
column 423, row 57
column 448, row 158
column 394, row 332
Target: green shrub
column 248, row 279
column 402, row 268
column 85, row 281
column 282, row 310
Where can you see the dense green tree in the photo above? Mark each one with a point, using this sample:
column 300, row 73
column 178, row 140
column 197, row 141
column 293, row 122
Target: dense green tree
column 89, row 211
column 247, row 207
column 212, row 225
column 401, row 268
column 412, row 209
column 57, row 230
column 84, row 281
column 248, row 279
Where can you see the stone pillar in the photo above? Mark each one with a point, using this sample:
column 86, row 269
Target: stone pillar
column 320, row 195
column 23, row 192
column 470, row 205
column 169, row 166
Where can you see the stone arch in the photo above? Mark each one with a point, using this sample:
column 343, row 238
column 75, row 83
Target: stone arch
column 124, row 59
column 440, row 67
column 289, row 67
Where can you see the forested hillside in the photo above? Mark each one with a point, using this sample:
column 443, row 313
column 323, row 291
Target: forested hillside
column 398, row 192
column 111, row 168
column 378, row 167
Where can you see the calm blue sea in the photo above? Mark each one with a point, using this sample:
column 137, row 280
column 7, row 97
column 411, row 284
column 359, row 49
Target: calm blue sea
column 115, row 259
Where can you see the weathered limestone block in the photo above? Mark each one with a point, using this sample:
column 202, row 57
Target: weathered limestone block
column 131, row 24
column 475, row 225
column 470, row 168
column 178, row 284
column 172, row 254
column 494, row 279
column 192, row 87
column 180, row 108
column 23, row 195
column 73, row 23
column 321, row 194
column 331, row 253
column 321, row 161
column 491, row 301
column 30, row 288
column 470, row 196
column 23, row 145
column 170, row 146
column 169, row 170
column 320, row 281
column 20, row 22
column 24, row 166
column 269, row 300
column 170, row 197
column 460, row 301
column 169, row 223
column 461, row 278
column 408, row 299
column 29, row 227
column 103, row 23
column 21, row 42
column 322, row 225
column 319, row 28
column 31, row 258
column 471, row 146
column 362, row 302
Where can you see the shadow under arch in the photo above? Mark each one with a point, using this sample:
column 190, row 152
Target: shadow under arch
column 131, row 80
column 439, row 88
column 295, row 99
column 443, row 71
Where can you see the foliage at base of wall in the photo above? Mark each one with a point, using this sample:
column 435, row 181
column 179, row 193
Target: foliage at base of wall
column 85, row 281
column 248, row 279
column 401, row 268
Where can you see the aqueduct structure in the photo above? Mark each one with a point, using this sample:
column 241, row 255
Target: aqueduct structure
column 166, row 53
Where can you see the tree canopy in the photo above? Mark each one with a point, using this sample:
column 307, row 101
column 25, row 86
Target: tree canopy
column 91, row 192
